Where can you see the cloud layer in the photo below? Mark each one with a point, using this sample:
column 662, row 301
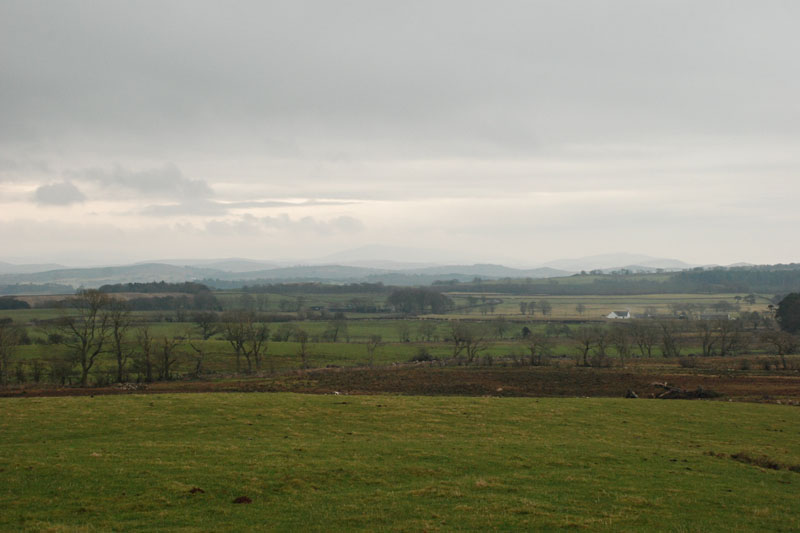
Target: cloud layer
column 520, row 132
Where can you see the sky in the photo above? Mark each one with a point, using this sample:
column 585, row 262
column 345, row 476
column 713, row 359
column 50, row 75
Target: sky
column 512, row 132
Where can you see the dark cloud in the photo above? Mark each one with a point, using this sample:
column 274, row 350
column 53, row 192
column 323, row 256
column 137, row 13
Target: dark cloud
column 64, row 193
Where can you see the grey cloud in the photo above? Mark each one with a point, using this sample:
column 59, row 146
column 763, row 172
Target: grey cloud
column 448, row 77
column 250, row 224
column 166, row 181
column 209, row 207
column 64, row 193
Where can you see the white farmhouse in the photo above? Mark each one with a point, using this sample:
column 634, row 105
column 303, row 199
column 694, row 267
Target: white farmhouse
column 619, row 314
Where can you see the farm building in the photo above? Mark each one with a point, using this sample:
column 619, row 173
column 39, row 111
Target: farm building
column 619, row 314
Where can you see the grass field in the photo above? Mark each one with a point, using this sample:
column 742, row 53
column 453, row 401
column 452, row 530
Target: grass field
column 342, row 463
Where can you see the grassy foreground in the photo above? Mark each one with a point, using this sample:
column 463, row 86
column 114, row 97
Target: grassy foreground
column 329, row 463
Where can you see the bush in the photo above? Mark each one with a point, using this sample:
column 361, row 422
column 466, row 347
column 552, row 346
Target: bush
column 687, row 362
column 421, row 356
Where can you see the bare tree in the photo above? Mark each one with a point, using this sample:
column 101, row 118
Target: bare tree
column 621, row 339
column 732, row 337
column 500, row 325
column 469, row 338
column 9, row 339
column 580, row 308
column 199, row 355
column 145, row 359
column 708, row 337
column 256, row 343
column 301, row 337
column 427, row 329
column 247, row 336
column 539, row 345
column 373, row 342
column 784, row 343
column 337, row 327
column 646, row 336
column 86, row 329
column 234, row 330
column 545, row 307
column 602, row 340
column 585, row 337
column 403, row 331
column 671, row 338
column 206, row 322
column 168, row 356
column 119, row 316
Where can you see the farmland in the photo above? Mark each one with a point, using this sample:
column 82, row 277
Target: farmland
column 335, row 463
column 358, row 411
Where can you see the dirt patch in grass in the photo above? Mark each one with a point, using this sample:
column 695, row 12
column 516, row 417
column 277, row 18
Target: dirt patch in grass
column 761, row 461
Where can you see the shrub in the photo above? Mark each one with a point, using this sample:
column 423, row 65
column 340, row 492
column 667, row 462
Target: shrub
column 422, row 355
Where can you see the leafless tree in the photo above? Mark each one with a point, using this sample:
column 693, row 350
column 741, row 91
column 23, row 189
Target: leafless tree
column 645, row 335
column 585, row 337
column 119, row 316
column 621, row 339
column 9, row 339
column 403, row 331
column 784, row 343
column 373, row 342
column 168, row 356
column 145, row 359
column 539, row 344
column 206, row 322
column 671, row 338
column 427, row 330
column 732, row 339
column 86, row 329
column 337, row 327
column 469, row 338
column 301, row 337
column 247, row 336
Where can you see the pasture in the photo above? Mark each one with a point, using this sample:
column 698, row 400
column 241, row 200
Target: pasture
column 343, row 463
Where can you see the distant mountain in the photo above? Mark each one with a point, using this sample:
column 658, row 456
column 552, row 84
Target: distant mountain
column 374, row 254
column 616, row 261
column 338, row 273
column 489, row 271
column 10, row 268
column 226, row 265
column 145, row 272
column 94, row 277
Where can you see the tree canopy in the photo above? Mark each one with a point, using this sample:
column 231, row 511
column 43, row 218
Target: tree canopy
column 788, row 313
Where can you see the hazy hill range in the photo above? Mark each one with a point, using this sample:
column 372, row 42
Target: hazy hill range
column 232, row 270
column 96, row 276
column 9, row 268
column 618, row 261
column 236, row 272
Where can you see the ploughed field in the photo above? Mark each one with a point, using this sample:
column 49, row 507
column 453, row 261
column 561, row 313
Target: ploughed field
column 359, row 462
column 646, row 381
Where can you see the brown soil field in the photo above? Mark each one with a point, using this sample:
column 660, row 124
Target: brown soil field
column 781, row 387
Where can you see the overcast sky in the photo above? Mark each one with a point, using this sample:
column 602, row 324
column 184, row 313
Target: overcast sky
column 506, row 132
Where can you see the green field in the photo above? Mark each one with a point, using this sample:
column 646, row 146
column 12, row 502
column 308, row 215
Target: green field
column 342, row 463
